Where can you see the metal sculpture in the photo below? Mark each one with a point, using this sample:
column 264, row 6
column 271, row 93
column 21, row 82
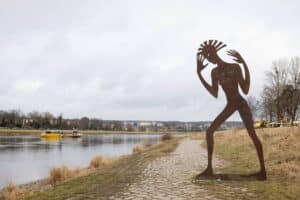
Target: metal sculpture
column 229, row 76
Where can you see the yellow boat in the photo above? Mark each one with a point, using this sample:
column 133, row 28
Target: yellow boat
column 51, row 135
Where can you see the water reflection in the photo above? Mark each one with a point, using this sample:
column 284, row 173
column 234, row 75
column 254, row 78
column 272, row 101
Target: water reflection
column 28, row 158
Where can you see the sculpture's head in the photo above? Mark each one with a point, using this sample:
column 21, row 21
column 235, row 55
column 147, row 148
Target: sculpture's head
column 209, row 49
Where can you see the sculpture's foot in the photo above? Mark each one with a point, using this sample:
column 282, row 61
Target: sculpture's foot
column 262, row 175
column 208, row 172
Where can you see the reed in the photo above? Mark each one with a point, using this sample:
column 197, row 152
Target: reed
column 138, row 149
column 99, row 161
column 12, row 192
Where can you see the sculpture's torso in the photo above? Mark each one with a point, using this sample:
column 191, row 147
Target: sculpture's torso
column 228, row 78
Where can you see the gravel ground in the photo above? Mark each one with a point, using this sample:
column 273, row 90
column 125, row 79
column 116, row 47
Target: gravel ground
column 170, row 177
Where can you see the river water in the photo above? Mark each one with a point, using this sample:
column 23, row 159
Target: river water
column 29, row 158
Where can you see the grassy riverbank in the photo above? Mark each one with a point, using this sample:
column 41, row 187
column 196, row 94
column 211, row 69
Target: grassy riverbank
column 17, row 132
column 282, row 159
column 107, row 180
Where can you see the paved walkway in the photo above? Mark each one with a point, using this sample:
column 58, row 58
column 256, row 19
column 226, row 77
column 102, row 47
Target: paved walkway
column 170, row 177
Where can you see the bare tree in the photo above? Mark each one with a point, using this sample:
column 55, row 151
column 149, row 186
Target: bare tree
column 36, row 118
column 277, row 79
column 268, row 104
column 281, row 93
column 95, row 124
column 117, row 125
column 294, row 89
column 46, row 119
column 84, row 123
column 60, row 121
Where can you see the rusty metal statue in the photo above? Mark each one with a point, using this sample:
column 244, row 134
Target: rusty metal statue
column 229, row 76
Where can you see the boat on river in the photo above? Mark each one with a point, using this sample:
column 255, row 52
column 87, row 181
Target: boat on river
column 57, row 134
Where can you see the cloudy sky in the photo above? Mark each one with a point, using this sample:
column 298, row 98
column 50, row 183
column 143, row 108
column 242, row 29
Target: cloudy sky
column 133, row 59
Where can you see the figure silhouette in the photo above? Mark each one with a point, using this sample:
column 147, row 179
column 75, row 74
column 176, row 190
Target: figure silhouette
column 229, row 76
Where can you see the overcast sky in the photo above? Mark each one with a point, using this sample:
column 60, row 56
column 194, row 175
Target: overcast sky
column 133, row 59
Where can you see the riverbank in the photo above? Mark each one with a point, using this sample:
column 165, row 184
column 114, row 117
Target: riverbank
column 19, row 132
column 37, row 132
column 37, row 155
column 282, row 159
column 107, row 180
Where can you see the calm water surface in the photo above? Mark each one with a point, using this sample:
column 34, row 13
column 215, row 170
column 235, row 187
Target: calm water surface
column 29, row 158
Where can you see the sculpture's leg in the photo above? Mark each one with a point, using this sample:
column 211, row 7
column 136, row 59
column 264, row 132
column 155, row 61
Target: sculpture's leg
column 246, row 116
column 228, row 110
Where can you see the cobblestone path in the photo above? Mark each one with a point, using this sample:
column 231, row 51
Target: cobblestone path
column 170, row 177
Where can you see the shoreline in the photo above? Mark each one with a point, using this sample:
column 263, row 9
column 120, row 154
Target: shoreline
column 37, row 132
column 42, row 186
column 24, row 184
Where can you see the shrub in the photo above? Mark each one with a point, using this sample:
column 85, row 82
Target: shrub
column 137, row 149
column 12, row 192
column 99, row 161
column 58, row 174
column 166, row 136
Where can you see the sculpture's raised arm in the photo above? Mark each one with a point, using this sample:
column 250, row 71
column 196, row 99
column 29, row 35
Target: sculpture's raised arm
column 244, row 82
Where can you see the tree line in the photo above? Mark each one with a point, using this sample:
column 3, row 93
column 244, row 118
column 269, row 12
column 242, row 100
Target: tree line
column 46, row 120
column 280, row 97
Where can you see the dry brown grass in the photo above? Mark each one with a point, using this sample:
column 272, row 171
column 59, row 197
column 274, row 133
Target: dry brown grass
column 234, row 130
column 58, row 174
column 138, row 149
column 282, row 151
column 166, row 136
column 196, row 135
column 12, row 192
column 282, row 159
column 281, row 148
column 147, row 144
column 143, row 146
column 99, row 161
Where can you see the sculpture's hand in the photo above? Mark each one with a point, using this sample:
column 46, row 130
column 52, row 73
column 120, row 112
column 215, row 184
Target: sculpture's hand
column 237, row 57
column 200, row 65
